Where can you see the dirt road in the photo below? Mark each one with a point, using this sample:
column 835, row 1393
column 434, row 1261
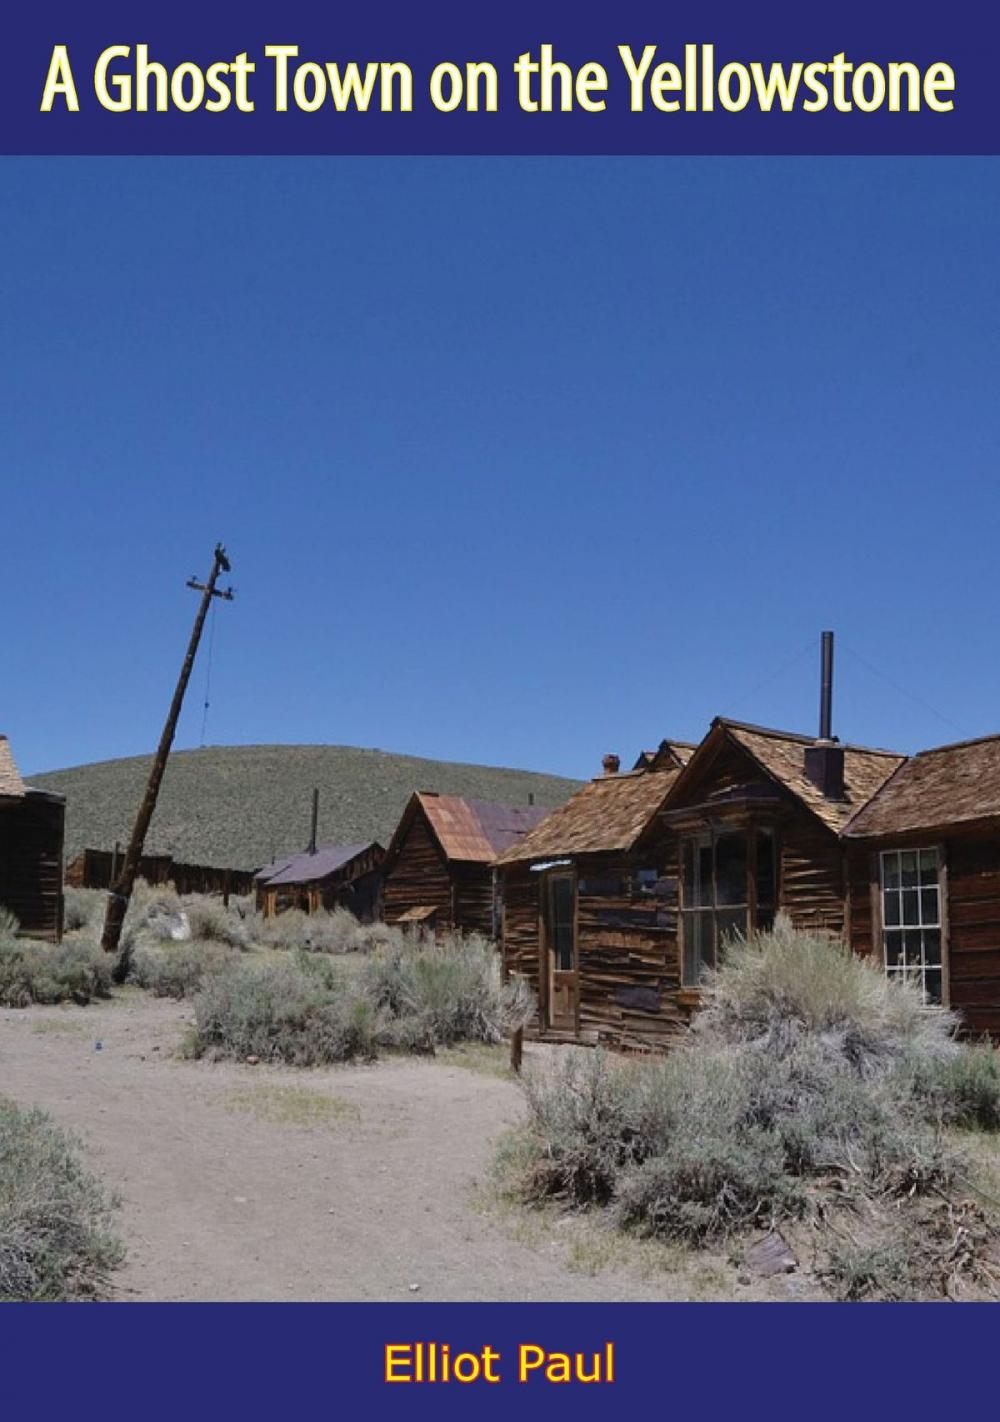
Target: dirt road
column 242, row 1182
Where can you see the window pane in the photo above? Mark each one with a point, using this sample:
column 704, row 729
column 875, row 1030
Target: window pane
column 688, row 871
column 932, row 985
column 932, row 947
column 891, row 908
column 705, row 874
column 697, row 872
column 890, row 870
column 929, row 909
column 911, row 912
column 730, row 925
column 731, row 869
column 894, row 954
column 699, row 948
column 914, row 948
column 908, row 865
column 561, row 928
column 765, row 918
column 928, row 866
column 766, row 876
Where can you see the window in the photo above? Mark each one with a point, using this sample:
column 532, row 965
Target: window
column 561, row 921
column 911, row 918
column 729, row 886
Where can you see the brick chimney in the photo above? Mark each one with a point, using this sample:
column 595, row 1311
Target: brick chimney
column 611, row 764
column 824, row 759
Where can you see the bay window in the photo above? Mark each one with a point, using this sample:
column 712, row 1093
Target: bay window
column 728, row 888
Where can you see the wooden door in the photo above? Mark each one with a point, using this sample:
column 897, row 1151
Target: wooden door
column 559, row 928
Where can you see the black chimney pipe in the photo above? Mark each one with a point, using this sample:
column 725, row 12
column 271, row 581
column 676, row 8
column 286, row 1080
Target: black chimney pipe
column 315, row 821
column 824, row 759
column 826, row 689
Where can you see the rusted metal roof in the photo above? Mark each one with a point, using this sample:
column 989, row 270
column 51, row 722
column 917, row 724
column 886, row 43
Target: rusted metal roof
column 608, row 814
column 11, row 784
column 474, row 831
column 949, row 785
column 307, row 868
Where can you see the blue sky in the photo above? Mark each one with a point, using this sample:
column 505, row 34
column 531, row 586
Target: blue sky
column 518, row 460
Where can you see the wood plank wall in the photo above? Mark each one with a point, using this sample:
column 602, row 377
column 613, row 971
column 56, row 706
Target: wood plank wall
column 31, row 849
column 973, row 878
column 972, row 886
column 418, row 875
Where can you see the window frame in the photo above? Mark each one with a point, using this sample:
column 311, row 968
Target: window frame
column 696, row 835
column 941, row 927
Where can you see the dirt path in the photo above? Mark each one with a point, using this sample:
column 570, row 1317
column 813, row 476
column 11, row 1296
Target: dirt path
column 264, row 1183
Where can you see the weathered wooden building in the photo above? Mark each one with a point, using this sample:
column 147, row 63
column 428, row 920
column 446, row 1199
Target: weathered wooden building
column 616, row 929
column 439, row 864
column 31, row 851
column 753, row 825
column 97, row 869
column 329, row 876
column 588, row 919
column 923, row 861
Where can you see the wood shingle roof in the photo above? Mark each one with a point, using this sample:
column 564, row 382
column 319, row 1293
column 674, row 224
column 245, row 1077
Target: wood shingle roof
column 608, row 814
column 781, row 755
column 950, row 785
column 11, row 784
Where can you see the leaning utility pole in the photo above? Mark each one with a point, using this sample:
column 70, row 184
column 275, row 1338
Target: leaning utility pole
column 121, row 889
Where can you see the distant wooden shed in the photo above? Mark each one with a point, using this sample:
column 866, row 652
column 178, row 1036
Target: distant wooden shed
column 31, row 851
column 439, row 864
column 923, row 859
column 97, row 869
column 585, row 919
column 329, row 876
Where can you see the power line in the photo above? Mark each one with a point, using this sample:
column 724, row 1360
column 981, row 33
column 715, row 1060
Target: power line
column 902, row 690
column 785, row 666
column 208, row 672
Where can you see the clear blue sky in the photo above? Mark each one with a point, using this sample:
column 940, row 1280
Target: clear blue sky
column 518, row 461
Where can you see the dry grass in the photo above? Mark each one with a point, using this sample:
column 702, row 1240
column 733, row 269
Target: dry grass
column 293, row 1105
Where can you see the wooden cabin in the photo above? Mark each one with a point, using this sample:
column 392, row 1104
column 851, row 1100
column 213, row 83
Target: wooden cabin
column 618, row 934
column 587, row 918
column 923, row 859
column 439, row 864
column 329, row 876
column 31, row 852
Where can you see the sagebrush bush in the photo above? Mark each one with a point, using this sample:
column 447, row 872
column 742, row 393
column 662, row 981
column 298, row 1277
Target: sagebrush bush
column 283, row 1012
column 177, row 970
column 82, row 908
column 209, row 920
column 776, row 987
column 328, row 931
column 306, row 1008
column 817, row 1089
column 56, row 1240
column 9, row 924
column 964, row 1089
column 452, row 985
column 587, row 1124
column 153, row 913
column 72, row 971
